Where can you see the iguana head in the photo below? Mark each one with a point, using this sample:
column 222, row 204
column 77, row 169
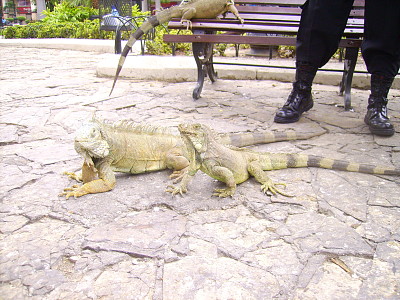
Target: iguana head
column 90, row 143
column 196, row 134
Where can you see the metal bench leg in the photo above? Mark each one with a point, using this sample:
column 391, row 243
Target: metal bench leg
column 203, row 55
column 118, row 48
column 350, row 60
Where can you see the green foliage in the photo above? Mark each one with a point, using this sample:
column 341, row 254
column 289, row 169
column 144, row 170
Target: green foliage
column 87, row 3
column 220, row 49
column 65, row 12
column 67, row 21
column 9, row 5
column 136, row 12
column 50, row 4
column 80, row 30
column 159, row 47
column 286, row 51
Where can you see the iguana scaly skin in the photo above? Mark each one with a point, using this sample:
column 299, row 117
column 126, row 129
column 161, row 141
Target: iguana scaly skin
column 125, row 146
column 233, row 165
column 187, row 10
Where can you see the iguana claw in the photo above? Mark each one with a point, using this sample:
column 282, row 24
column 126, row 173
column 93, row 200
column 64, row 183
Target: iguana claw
column 74, row 176
column 178, row 175
column 188, row 24
column 73, row 191
column 176, row 190
column 270, row 186
column 222, row 193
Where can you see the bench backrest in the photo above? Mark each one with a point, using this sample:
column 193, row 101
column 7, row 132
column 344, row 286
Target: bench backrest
column 272, row 16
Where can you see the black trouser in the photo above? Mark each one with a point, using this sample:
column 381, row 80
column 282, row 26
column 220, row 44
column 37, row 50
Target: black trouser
column 322, row 25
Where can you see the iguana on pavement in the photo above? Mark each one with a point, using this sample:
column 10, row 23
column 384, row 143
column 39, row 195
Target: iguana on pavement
column 233, row 165
column 187, row 10
column 126, row 146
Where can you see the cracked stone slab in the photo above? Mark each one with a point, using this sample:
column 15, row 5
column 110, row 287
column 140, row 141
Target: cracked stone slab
column 217, row 278
column 30, row 256
column 332, row 282
column 143, row 234
column 347, row 196
column 383, row 280
column 234, row 232
column 316, row 233
column 126, row 280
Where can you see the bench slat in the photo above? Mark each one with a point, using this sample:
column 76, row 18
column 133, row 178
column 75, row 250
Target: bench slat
column 272, row 2
column 243, row 39
column 356, row 4
column 258, row 19
column 267, row 9
column 260, row 27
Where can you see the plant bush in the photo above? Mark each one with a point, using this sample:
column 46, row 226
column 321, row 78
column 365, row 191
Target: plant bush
column 79, row 30
column 159, row 47
column 67, row 21
column 65, row 12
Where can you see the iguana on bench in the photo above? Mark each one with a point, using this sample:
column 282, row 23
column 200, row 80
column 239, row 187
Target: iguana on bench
column 125, row 146
column 187, row 10
column 233, row 165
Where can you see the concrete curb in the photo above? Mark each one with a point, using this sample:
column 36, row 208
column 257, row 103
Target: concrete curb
column 183, row 69
column 102, row 46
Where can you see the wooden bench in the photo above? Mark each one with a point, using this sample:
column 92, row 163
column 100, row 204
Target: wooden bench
column 278, row 20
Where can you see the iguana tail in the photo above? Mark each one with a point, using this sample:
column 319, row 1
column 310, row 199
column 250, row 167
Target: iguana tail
column 276, row 161
column 150, row 23
column 250, row 138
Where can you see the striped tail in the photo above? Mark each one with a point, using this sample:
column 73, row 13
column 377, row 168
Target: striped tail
column 150, row 23
column 248, row 138
column 288, row 160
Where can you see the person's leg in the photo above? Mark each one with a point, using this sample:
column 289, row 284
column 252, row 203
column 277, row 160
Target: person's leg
column 381, row 52
column 321, row 27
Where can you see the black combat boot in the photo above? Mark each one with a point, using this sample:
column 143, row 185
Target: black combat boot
column 300, row 99
column 376, row 117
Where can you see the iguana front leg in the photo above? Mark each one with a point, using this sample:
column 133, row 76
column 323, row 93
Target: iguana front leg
column 187, row 16
column 186, row 177
column 105, row 183
column 183, row 186
column 232, row 8
column 175, row 160
column 178, row 175
column 255, row 170
column 225, row 175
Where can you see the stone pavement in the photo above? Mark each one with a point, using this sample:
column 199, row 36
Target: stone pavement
column 338, row 238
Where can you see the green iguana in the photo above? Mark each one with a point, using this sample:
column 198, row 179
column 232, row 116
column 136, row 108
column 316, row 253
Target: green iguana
column 125, row 146
column 187, row 10
column 233, row 165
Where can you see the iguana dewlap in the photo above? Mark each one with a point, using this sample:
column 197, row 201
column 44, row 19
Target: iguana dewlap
column 233, row 165
column 126, row 146
column 187, row 10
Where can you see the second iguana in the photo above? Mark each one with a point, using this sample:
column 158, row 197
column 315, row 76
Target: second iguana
column 129, row 147
column 187, row 10
column 233, row 165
